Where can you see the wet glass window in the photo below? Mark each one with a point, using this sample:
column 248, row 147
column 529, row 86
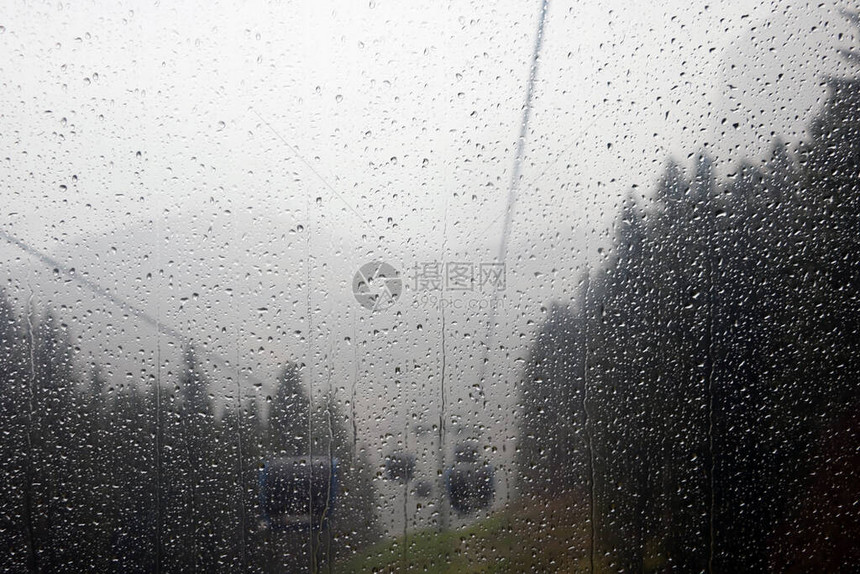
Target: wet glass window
column 422, row 287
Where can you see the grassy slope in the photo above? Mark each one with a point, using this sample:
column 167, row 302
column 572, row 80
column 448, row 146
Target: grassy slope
column 549, row 537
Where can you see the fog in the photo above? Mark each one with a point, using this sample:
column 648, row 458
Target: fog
column 227, row 171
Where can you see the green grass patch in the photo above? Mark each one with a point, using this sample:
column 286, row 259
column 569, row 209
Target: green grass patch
column 545, row 537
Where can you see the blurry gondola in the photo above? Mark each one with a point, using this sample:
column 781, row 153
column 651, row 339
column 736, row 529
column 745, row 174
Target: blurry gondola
column 423, row 489
column 298, row 493
column 400, row 466
column 470, row 483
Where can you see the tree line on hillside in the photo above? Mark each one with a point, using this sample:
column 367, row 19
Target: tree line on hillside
column 150, row 477
column 699, row 397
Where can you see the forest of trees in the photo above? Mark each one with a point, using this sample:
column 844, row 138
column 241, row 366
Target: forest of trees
column 699, row 399
column 149, row 477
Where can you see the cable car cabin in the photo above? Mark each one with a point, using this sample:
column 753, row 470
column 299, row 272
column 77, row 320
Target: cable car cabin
column 298, row 493
column 470, row 483
column 400, row 467
column 423, row 489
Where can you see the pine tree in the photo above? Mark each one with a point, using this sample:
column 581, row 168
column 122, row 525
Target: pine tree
column 289, row 415
column 551, row 446
column 53, row 439
column 15, row 450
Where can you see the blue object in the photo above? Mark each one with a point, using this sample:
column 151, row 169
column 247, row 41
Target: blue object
column 298, row 493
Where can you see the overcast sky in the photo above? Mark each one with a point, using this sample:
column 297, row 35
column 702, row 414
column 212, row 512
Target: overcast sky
column 367, row 92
